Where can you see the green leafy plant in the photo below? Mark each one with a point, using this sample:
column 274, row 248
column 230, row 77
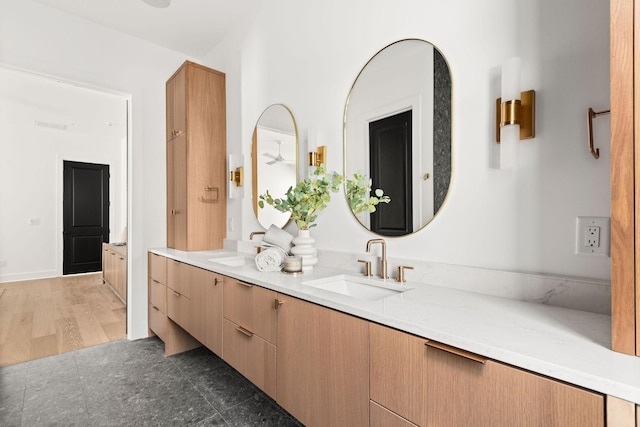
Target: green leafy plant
column 307, row 198
column 360, row 197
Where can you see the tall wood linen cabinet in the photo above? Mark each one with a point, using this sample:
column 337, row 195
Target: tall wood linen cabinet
column 196, row 158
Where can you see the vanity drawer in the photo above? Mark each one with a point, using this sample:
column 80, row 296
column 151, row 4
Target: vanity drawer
column 178, row 277
column 251, row 307
column 158, row 322
column 179, row 309
column 250, row 355
column 158, row 295
column 158, row 267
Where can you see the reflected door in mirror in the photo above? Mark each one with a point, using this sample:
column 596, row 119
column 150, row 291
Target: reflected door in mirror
column 390, row 165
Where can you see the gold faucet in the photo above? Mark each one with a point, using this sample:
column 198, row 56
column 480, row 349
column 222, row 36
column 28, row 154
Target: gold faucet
column 254, row 233
column 383, row 260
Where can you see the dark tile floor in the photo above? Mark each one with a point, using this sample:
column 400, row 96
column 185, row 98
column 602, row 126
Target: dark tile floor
column 132, row 383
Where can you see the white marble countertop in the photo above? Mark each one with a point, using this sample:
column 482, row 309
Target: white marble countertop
column 565, row 344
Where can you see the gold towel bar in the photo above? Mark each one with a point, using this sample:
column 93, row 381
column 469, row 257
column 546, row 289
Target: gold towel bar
column 590, row 116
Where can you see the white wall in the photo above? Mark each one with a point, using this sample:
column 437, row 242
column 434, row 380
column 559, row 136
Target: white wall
column 42, row 39
column 307, row 55
column 75, row 124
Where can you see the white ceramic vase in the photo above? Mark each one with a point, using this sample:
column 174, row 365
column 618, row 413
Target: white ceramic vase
column 303, row 247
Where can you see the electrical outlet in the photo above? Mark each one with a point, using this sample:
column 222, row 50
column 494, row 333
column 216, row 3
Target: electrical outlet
column 592, row 236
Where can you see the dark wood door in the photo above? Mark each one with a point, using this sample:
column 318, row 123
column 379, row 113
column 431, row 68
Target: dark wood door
column 390, row 169
column 85, row 216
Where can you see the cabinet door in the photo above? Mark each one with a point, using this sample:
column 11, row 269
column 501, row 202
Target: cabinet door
column 252, row 356
column 176, row 104
column 382, row 417
column 179, row 277
column 121, row 276
column 158, row 268
column 251, row 307
column 177, row 192
column 206, row 308
column 179, row 309
column 398, row 361
column 464, row 392
column 322, row 365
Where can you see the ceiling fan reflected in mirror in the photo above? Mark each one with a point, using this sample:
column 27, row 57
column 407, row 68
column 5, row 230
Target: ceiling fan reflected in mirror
column 158, row 3
column 278, row 158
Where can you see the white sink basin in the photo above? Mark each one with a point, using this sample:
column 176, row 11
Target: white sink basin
column 232, row 261
column 357, row 287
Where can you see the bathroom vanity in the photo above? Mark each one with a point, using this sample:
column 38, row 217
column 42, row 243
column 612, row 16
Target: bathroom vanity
column 419, row 355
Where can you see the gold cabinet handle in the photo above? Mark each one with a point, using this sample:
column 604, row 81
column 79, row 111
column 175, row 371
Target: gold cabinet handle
column 244, row 331
column 216, row 281
column 176, row 293
column 278, row 303
column 462, row 353
column 248, row 285
column 155, row 308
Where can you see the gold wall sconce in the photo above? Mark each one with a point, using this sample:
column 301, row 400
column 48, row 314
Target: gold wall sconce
column 237, row 176
column 318, row 157
column 515, row 114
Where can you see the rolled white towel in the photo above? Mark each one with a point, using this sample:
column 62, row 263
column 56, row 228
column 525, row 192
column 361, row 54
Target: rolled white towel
column 276, row 236
column 270, row 259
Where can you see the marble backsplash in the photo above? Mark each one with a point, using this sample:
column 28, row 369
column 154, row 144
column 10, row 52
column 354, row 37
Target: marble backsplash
column 570, row 292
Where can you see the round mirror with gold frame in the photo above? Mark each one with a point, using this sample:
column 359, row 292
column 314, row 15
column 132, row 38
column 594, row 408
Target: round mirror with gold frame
column 397, row 134
column 274, row 154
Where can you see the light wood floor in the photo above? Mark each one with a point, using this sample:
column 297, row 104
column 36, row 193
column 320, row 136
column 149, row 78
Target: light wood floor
column 44, row 317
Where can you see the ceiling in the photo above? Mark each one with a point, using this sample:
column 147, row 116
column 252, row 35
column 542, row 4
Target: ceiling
column 192, row 27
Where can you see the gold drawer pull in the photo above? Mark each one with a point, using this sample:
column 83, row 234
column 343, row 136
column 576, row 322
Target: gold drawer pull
column 244, row 331
column 176, row 293
column 155, row 308
column 248, row 285
column 456, row 351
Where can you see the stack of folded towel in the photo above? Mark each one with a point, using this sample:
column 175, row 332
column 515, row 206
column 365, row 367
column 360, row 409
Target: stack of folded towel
column 278, row 244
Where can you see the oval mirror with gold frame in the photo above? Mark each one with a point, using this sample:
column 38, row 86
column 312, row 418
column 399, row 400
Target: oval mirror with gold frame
column 274, row 155
column 397, row 133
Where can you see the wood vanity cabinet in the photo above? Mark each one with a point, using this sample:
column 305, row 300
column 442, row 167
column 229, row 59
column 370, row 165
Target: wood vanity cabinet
column 162, row 300
column 249, row 332
column 196, row 158
column 114, row 269
column 206, row 308
column 322, row 365
column 397, row 365
column 491, row 394
column 179, row 293
column 444, row 386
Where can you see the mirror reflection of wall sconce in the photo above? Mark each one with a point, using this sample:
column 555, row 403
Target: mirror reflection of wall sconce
column 515, row 116
column 318, row 157
column 236, row 176
column 590, row 116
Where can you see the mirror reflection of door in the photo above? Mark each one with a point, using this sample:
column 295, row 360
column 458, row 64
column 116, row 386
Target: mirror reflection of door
column 85, row 216
column 406, row 75
column 391, row 169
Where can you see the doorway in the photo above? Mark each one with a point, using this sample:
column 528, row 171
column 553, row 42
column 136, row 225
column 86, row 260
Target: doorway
column 85, row 216
column 390, row 167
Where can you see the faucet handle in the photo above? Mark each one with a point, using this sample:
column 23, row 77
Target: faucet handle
column 400, row 277
column 367, row 267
